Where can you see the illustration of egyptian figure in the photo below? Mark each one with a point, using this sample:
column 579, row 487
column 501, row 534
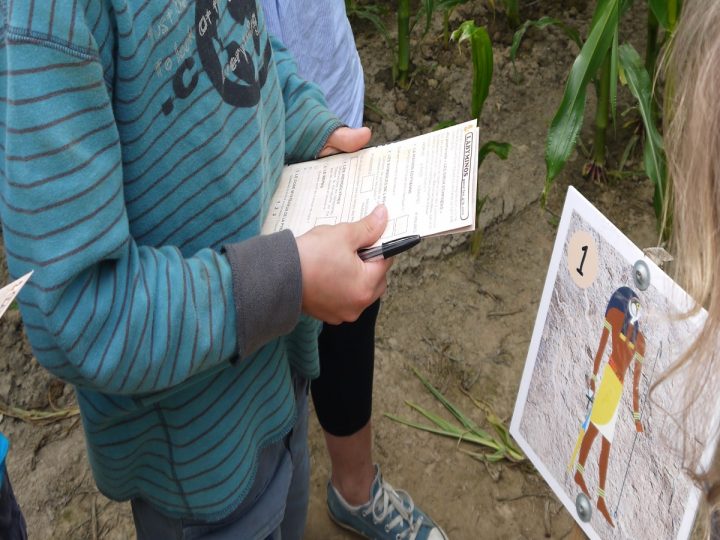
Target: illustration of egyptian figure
column 628, row 345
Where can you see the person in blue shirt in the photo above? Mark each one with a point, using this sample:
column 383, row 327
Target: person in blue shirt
column 12, row 521
column 319, row 36
column 142, row 143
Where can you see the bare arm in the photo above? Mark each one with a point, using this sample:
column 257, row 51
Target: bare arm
column 601, row 350
column 639, row 358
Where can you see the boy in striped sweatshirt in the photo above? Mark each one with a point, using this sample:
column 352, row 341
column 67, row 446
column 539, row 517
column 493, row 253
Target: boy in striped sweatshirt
column 141, row 143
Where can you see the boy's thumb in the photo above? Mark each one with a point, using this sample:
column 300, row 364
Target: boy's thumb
column 372, row 226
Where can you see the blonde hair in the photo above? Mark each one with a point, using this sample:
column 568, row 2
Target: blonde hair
column 693, row 151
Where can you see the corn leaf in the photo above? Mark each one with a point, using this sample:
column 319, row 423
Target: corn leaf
column 445, row 5
column 424, row 427
column 512, row 11
column 500, row 149
column 625, row 5
column 482, row 60
column 439, row 421
column 502, row 447
column 614, row 75
column 568, row 119
column 640, row 86
column 541, row 23
column 35, row 416
column 499, row 426
column 660, row 10
column 428, row 7
column 372, row 14
column 477, row 236
column 464, row 420
column 444, row 124
column 457, row 434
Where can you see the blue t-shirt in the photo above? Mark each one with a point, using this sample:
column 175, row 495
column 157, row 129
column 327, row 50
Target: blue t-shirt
column 4, row 447
column 319, row 36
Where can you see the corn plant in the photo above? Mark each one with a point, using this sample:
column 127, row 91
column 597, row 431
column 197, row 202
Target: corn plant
column 371, row 13
column 598, row 51
column 482, row 63
column 541, row 23
column 662, row 14
column 406, row 22
column 598, row 62
column 446, row 7
column 403, row 46
column 635, row 74
column 512, row 11
column 497, row 447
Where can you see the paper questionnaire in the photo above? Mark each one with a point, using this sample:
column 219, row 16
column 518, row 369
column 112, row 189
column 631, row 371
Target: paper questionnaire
column 10, row 291
column 428, row 184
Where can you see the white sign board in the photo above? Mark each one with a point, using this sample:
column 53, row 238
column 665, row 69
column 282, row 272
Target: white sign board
column 584, row 414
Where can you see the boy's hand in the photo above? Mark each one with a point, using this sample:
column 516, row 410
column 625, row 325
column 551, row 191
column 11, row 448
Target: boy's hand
column 346, row 139
column 337, row 285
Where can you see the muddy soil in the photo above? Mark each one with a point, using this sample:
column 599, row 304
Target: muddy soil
column 464, row 322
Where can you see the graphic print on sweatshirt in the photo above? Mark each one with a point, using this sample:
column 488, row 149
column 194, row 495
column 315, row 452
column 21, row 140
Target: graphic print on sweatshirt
column 229, row 65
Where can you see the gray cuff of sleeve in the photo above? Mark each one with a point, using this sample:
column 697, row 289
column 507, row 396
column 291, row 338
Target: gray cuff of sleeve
column 267, row 288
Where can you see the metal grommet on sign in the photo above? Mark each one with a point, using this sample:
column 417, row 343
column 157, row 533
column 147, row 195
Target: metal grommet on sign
column 583, row 507
column 641, row 274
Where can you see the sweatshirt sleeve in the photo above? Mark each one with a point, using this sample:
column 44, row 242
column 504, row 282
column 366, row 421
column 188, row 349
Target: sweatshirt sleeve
column 102, row 311
column 308, row 122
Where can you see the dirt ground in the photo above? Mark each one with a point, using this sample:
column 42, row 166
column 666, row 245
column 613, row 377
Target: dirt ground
column 462, row 321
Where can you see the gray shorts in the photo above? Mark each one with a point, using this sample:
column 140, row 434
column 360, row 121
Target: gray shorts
column 275, row 507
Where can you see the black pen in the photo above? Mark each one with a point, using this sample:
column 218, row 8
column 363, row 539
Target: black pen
column 388, row 249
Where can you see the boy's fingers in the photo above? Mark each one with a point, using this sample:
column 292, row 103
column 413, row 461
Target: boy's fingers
column 346, row 139
column 370, row 228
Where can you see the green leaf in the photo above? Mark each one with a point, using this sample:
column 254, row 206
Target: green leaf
column 444, row 5
column 542, row 22
column 424, row 427
column 566, row 124
column 457, row 413
column 614, row 76
column 660, row 10
column 512, row 11
column 625, row 5
column 640, row 86
column 373, row 16
column 482, row 60
column 477, row 237
column 428, row 7
column 444, row 124
column 439, row 421
column 455, row 433
column 500, row 149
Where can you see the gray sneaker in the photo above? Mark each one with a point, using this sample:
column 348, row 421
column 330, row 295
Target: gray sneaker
column 389, row 515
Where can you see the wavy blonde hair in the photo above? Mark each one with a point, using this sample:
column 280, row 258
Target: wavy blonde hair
column 693, row 151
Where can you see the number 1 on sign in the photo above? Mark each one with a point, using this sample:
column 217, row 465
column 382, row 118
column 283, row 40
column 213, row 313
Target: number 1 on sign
column 582, row 259
column 584, row 249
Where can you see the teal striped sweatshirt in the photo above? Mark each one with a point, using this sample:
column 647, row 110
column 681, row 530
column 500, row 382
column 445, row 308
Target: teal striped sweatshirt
column 141, row 143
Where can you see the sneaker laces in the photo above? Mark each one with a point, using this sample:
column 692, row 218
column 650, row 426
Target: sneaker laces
column 386, row 501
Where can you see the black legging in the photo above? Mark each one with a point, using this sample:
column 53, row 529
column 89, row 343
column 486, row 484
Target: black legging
column 12, row 522
column 343, row 393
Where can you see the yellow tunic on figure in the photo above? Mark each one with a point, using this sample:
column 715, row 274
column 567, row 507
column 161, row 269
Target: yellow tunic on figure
column 607, row 402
